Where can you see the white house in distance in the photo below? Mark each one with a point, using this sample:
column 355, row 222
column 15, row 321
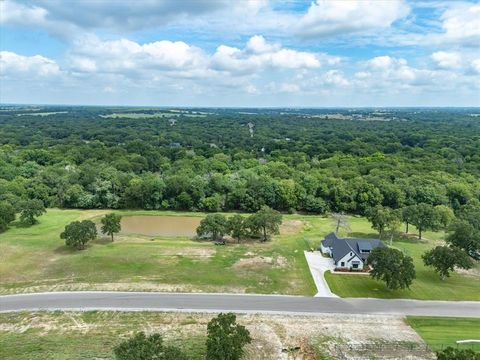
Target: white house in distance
column 348, row 253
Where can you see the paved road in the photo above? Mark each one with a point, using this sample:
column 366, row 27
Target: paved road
column 130, row 301
column 318, row 265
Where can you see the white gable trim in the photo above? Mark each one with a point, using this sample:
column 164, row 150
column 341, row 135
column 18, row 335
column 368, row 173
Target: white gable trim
column 326, row 250
column 349, row 261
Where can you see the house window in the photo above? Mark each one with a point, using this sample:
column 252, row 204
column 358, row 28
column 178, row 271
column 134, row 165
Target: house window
column 342, row 263
column 355, row 266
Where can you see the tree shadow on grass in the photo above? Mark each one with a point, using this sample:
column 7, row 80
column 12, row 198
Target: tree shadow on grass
column 410, row 238
column 363, row 235
column 65, row 250
column 104, row 240
column 21, row 225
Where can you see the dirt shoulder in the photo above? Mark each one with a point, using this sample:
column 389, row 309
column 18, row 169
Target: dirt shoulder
column 275, row 336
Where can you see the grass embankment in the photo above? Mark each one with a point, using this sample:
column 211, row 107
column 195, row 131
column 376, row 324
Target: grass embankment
column 36, row 259
column 440, row 332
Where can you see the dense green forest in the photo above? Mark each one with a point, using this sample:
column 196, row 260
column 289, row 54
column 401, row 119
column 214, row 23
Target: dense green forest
column 313, row 161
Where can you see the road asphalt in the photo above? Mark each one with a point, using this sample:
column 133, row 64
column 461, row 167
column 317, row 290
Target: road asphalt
column 151, row 301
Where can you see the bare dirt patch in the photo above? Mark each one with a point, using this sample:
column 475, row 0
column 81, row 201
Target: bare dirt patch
column 259, row 261
column 291, row 227
column 190, row 251
column 253, row 262
column 473, row 272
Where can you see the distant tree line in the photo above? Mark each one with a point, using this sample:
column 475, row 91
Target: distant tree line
column 292, row 162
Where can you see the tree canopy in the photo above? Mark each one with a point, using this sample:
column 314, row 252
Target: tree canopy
column 143, row 347
column 225, row 338
column 451, row 353
column 444, row 259
column 295, row 161
column 7, row 215
column 111, row 224
column 265, row 221
column 392, row 266
column 30, row 210
column 78, row 233
column 213, row 226
column 464, row 236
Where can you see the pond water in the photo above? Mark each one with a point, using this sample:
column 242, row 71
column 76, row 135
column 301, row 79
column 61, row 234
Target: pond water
column 160, row 225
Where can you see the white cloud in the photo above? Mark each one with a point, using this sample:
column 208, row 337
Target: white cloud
column 251, row 89
column 30, row 15
column 258, row 45
column 458, row 26
column 259, row 54
column 475, row 66
column 387, row 70
column 16, row 13
column 462, row 24
column 289, row 88
column 335, row 78
column 106, row 14
column 385, row 63
column 123, row 56
column 388, row 75
column 117, row 65
column 349, row 16
column 91, row 55
column 12, row 64
column 447, row 60
column 83, row 64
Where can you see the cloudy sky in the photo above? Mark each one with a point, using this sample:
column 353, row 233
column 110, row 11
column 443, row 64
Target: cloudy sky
column 240, row 52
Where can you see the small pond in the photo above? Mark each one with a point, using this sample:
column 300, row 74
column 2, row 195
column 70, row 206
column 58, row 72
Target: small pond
column 160, row 225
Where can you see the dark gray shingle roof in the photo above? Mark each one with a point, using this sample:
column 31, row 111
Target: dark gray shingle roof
column 329, row 239
column 364, row 245
column 341, row 247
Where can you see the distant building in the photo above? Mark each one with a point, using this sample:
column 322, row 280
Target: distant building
column 348, row 253
column 174, row 145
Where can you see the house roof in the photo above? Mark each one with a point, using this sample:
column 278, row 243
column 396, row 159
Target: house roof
column 341, row 247
column 329, row 239
column 364, row 245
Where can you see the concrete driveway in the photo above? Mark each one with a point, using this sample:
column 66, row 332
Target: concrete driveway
column 318, row 265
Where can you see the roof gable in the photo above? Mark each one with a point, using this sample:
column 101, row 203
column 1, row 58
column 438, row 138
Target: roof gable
column 341, row 248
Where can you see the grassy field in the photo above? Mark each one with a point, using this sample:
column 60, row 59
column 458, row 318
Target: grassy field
column 36, row 259
column 93, row 334
column 440, row 332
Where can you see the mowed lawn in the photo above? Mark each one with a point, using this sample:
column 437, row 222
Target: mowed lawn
column 36, row 259
column 440, row 332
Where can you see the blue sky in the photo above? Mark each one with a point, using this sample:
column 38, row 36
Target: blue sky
column 240, row 53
